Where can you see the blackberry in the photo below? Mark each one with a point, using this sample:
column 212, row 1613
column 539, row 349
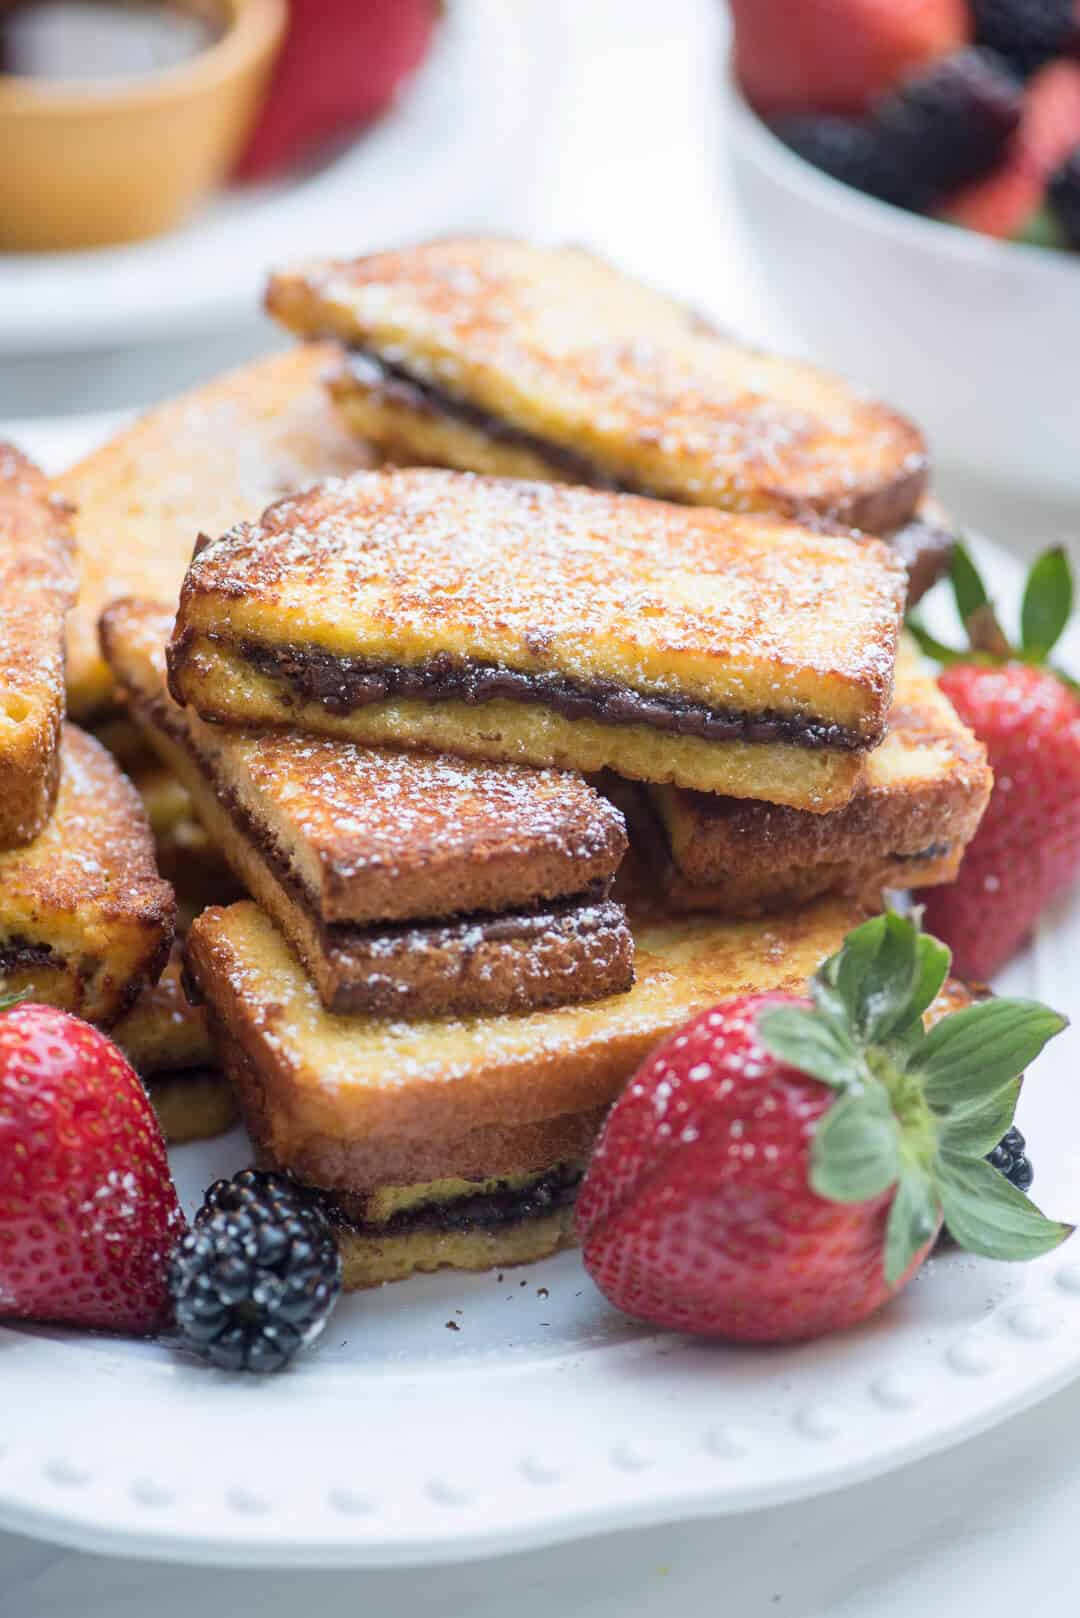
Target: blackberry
column 1010, row 1158
column 1027, row 33
column 1063, row 197
column 255, row 1280
column 951, row 123
column 851, row 151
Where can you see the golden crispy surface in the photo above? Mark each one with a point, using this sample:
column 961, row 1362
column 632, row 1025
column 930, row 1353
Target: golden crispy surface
column 371, row 834
column 924, row 789
column 195, row 464
column 364, row 1104
column 747, row 613
column 87, row 891
column 37, row 589
column 557, row 344
column 163, row 1032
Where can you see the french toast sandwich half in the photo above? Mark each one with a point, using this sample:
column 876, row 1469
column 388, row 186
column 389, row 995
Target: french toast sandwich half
column 461, row 1141
column 500, row 356
column 409, row 883
column 550, row 625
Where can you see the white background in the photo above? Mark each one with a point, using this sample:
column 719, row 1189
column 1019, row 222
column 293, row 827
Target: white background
column 628, row 156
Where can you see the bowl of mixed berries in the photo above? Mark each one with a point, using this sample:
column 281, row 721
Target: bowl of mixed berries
column 909, row 175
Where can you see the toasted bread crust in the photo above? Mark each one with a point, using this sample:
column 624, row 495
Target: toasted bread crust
column 37, row 589
column 556, row 345
column 356, row 1104
column 195, row 1104
column 203, row 461
column 918, row 803
column 85, row 920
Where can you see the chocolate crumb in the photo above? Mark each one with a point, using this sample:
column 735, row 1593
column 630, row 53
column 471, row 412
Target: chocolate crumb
column 452, row 1325
column 542, row 1292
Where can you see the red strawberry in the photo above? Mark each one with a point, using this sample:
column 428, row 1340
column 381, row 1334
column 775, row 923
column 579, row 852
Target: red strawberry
column 780, row 1168
column 342, row 63
column 794, row 56
column 1027, row 848
column 88, row 1213
column 1007, row 202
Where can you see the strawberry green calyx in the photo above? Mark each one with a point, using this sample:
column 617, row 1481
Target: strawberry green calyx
column 917, row 1110
column 9, row 1000
column 1044, row 614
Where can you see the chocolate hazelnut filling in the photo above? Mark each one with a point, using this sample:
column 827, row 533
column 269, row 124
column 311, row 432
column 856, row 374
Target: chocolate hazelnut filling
column 342, row 685
column 17, row 955
column 552, row 1191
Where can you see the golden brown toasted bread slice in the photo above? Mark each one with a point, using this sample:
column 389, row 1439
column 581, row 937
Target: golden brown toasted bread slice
column 551, row 625
column 353, row 1104
column 85, row 920
column 917, row 805
column 165, row 1039
column 409, row 884
column 195, row 464
column 37, row 589
column 497, row 356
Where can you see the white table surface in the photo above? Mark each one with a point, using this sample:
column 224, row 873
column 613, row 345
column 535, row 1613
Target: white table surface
column 630, row 159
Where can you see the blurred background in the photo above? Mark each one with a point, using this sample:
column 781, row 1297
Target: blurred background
column 787, row 201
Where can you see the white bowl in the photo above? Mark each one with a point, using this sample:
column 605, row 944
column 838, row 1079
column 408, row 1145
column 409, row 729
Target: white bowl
column 977, row 339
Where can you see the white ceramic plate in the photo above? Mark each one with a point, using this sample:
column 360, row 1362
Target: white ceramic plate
column 430, row 166
column 453, row 1416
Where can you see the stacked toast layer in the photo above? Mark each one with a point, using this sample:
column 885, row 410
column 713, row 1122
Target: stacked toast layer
column 502, row 357
column 383, row 1115
column 551, row 625
column 37, row 590
column 409, row 884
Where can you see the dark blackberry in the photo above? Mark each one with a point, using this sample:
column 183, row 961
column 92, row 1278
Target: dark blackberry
column 1010, row 1158
column 951, row 123
column 1063, row 197
column 255, row 1279
column 1027, row 33
column 851, row 151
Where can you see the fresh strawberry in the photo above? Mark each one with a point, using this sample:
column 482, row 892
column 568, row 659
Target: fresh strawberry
column 796, row 56
column 342, row 63
column 780, row 1168
column 1027, row 848
column 88, row 1213
column 1008, row 203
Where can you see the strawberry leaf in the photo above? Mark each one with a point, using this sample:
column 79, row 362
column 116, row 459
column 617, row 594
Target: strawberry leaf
column 913, row 1219
column 9, row 1000
column 975, row 1052
column 934, row 961
column 987, row 1215
column 887, row 985
column 1046, row 606
column 799, row 1036
column 856, row 1150
column 975, row 1129
column 967, row 586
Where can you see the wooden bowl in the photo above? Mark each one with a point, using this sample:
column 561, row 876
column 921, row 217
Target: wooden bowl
column 84, row 165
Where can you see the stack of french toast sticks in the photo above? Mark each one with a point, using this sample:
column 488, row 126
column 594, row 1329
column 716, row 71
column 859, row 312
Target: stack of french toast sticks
column 512, row 671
